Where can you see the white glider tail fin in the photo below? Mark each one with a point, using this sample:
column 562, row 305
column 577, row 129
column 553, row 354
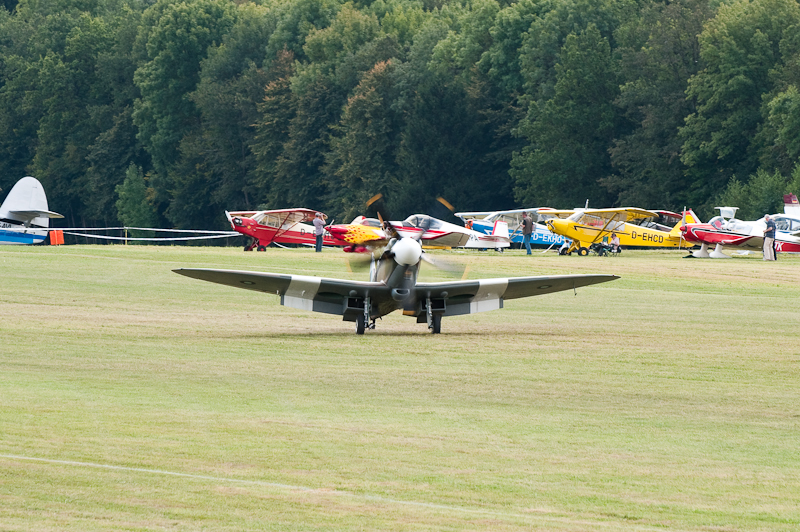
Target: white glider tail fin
column 26, row 204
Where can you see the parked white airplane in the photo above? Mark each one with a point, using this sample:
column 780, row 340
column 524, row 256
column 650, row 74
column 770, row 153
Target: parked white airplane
column 24, row 215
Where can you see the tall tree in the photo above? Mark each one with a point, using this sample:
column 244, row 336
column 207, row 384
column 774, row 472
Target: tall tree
column 276, row 112
column 134, row 206
column 739, row 48
column 570, row 133
column 364, row 149
column 659, row 52
column 174, row 39
column 232, row 82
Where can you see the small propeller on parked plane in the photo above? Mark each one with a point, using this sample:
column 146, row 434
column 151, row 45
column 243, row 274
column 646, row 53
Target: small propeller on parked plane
column 406, row 251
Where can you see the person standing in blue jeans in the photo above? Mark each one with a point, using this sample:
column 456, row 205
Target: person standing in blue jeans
column 319, row 230
column 527, row 231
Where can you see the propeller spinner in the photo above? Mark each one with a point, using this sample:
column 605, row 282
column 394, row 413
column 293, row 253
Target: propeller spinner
column 407, row 251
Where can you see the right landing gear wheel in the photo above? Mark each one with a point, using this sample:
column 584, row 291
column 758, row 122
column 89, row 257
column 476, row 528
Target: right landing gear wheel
column 261, row 248
column 583, row 252
column 360, row 324
column 436, row 323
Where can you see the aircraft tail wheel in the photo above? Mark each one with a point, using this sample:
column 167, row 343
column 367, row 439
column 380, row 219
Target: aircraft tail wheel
column 583, row 252
column 360, row 324
column 436, row 323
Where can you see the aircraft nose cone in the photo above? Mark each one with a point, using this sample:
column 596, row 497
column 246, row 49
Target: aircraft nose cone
column 407, row 252
column 336, row 230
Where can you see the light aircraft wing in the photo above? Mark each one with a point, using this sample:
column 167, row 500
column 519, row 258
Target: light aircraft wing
column 475, row 214
column 468, row 297
column 631, row 213
column 316, row 294
column 556, row 213
column 299, row 215
column 667, row 213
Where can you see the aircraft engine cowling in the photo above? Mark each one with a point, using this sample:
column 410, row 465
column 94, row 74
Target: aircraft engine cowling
column 407, row 252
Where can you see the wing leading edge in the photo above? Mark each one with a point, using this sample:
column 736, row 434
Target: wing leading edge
column 469, row 297
column 317, row 294
column 341, row 297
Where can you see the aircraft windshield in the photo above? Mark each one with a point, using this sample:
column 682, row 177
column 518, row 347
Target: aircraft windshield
column 717, row 222
column 615, row 223
column 787, row 224
column 418, row 220
column 515, row 218
column 371, row 222
column 662, row 223
column 738, row 226
column 270, row 220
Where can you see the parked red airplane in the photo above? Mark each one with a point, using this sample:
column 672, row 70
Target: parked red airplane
column 726, row 231
column 282, row 226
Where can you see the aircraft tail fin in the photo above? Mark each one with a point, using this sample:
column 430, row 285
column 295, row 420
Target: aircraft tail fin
column 500, row 229
column 791, row 205
column 26, row 204
column 688, row 217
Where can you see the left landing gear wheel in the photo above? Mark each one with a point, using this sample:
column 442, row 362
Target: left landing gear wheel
column 436, row 323
column 360, row 324
column 261, row 248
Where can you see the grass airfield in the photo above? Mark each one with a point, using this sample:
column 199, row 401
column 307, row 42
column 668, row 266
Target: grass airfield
column 132, row 398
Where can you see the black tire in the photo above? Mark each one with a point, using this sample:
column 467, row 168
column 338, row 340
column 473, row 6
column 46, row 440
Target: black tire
column 261, row 248
column 360, row 324
column 436, row 323
column 563, row 251
column 583, row 252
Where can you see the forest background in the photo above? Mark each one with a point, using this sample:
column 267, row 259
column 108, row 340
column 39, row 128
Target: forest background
column 166, row 113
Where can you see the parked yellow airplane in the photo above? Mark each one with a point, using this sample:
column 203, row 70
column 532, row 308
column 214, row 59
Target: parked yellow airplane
column 634, row 227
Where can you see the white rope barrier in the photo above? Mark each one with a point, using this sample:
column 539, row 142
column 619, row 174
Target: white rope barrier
column 84, row 232
column 160, row 239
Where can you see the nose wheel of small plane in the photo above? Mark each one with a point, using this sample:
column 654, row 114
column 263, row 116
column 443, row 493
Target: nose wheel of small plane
column 436, row 324
column 360, row 324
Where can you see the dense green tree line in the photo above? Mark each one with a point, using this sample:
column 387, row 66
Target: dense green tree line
column 169, row 112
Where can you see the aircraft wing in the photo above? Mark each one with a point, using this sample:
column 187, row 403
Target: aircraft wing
column 555, row 213
column 631, row 213
column 316, row 294
column 713, row 237
column 30, row 215
column 298, row 215
column 484, row 214
column 475, row 214
column 468, row 297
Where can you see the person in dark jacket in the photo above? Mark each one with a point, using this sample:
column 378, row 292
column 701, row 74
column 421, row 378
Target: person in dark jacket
column 769, row 239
